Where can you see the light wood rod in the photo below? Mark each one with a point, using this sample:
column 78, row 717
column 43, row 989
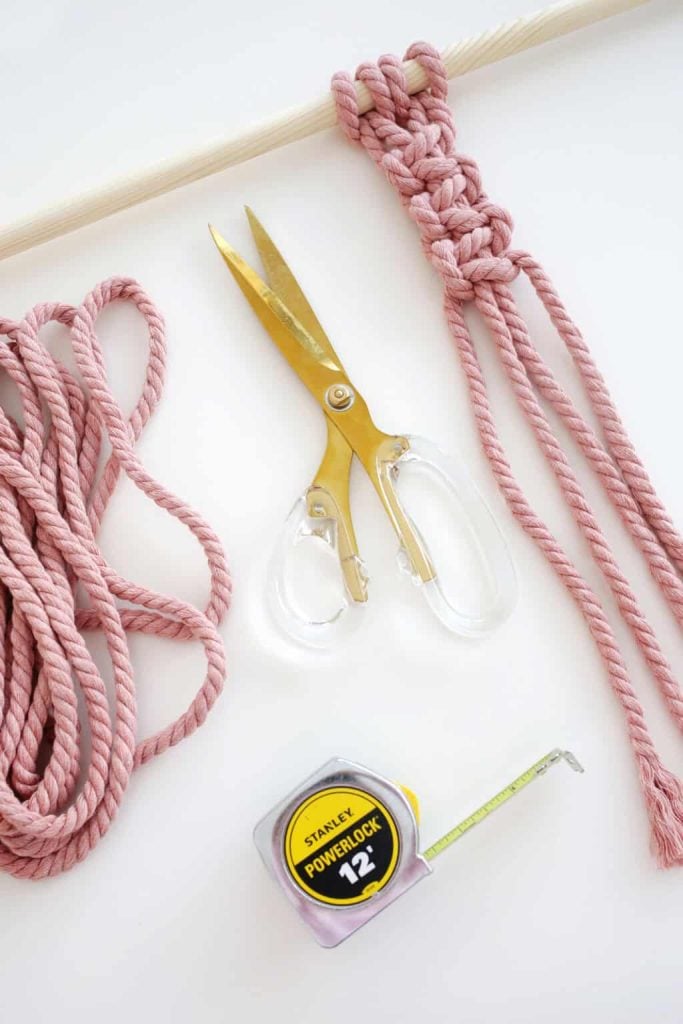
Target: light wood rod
column 494, row 45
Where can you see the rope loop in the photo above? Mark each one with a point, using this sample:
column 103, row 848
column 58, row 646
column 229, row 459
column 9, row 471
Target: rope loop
column 68, row 745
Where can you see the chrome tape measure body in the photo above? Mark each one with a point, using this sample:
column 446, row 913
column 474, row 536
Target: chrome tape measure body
column 343, row 846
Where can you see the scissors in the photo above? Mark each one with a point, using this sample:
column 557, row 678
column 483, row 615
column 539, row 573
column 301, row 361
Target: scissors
column 324, row 510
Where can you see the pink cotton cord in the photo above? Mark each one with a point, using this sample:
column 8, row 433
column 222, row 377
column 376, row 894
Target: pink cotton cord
column 467, row 238
column 61, row 783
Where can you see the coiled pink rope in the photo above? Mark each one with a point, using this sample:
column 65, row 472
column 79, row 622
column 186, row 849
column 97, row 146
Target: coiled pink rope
column 467, row 239
column 63, row 773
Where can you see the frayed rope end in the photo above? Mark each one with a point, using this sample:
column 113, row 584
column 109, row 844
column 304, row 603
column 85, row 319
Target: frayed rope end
column 664, row 798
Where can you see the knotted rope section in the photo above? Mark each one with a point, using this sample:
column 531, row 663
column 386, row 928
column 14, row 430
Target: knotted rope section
column 467, row 239
column 67, row 746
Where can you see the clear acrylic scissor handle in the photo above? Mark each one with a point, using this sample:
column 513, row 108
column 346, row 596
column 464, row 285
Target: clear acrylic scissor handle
column 489, row 555
column 307, row 595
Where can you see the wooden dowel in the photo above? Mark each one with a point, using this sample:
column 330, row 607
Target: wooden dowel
column 292, row 125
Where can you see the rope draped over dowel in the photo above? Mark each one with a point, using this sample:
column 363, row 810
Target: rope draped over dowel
column 60, row 783
column 467, row 239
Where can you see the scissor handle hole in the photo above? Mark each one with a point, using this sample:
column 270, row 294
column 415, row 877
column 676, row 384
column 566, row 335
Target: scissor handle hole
column 313, row 587
column 454, row 546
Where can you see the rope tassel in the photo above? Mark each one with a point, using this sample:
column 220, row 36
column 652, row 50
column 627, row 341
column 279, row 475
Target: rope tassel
column 467, row 239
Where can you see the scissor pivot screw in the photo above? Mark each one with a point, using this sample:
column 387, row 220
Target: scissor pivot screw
column 339, row 396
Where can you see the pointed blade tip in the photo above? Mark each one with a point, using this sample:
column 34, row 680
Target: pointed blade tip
column 215, row 234
column 225, row 249
column 254, row 222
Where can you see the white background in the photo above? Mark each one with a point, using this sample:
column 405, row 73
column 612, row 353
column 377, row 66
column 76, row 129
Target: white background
column 553, row 909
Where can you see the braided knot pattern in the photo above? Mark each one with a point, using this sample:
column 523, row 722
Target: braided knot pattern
column 412, row 139
column 68, row 742
column 466, row 237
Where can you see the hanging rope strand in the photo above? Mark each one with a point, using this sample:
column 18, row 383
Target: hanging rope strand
column 467, row 239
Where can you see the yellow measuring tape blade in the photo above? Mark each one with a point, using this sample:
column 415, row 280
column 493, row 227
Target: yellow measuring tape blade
column 539, row 768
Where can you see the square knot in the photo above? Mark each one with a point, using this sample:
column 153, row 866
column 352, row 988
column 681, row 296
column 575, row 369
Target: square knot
column 460, row 278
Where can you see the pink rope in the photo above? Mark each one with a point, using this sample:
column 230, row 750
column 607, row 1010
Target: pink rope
column 467, row 239
column 64, row 771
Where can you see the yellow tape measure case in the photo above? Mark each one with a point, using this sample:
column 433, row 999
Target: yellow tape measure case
column 342, row 846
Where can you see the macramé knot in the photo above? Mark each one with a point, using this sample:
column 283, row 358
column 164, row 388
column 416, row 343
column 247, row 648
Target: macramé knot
column 465, row 244
column 460, row 278
column 412, row 139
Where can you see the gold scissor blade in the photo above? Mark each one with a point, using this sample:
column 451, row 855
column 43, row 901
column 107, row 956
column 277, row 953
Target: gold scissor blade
column 285, row 285
column 281, row 323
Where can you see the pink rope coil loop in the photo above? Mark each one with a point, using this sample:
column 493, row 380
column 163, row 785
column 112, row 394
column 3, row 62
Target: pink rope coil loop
column 467, row 239
column 63, row 772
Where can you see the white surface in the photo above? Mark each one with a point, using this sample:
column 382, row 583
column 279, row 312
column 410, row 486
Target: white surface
column 554, row 908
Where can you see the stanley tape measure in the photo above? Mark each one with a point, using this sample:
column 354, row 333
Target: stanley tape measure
column 344, row 844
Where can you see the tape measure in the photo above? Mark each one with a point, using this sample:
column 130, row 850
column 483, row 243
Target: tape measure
column 345, row 843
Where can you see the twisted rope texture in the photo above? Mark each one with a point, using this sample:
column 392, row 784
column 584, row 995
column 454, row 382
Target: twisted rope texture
column 67, row 746
column 467, row 239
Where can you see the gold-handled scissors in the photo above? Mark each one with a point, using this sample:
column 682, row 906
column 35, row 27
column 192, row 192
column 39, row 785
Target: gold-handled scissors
column 325, row 510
